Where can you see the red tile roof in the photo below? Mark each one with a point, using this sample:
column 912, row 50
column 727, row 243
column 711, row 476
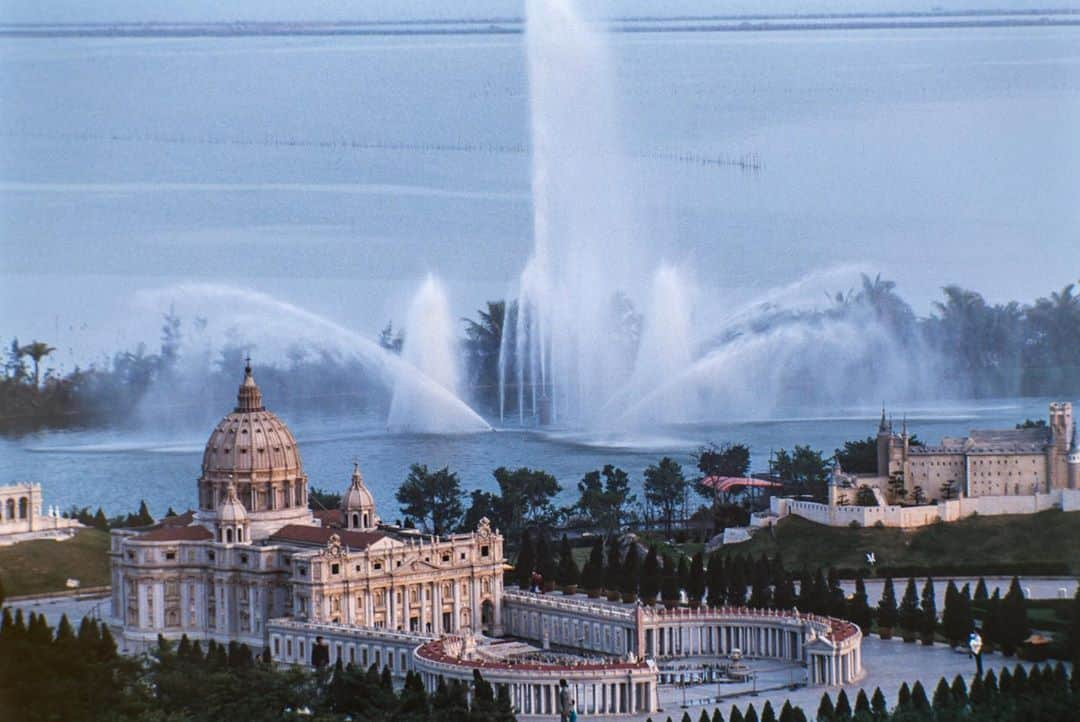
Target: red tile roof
column 315, row 535
column 177, row 533
column 330, row 517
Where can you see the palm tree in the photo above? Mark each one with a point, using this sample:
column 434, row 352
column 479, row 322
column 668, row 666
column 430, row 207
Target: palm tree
column 37, row 350
column 483, row 342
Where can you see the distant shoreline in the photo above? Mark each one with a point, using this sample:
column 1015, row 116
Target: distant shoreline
column 515, row 26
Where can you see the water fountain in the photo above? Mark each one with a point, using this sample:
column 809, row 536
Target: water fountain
column 430, row 349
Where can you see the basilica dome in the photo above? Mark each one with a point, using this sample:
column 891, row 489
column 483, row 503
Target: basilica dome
column 254, row 451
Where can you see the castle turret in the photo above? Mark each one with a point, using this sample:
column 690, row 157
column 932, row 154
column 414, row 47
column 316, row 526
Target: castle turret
column 1074, row 458
column 884, row 437
column 1061, row 432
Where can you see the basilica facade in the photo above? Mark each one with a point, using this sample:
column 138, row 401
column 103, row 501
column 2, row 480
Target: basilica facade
column 254, row 551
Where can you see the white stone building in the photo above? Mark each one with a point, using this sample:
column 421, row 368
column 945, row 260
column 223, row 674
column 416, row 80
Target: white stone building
column 21, row 518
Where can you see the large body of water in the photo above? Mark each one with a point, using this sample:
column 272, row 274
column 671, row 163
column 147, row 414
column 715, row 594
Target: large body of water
column 334, row 172
column 115, row 469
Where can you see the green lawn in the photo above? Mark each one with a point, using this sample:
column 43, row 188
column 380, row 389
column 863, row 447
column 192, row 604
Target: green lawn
column 33, row 567
column 1051, row 536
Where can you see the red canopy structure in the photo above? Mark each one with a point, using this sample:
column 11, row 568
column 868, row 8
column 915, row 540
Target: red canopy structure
column 724, row 484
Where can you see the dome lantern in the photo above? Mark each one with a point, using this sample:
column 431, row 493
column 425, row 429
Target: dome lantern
column 357, row 504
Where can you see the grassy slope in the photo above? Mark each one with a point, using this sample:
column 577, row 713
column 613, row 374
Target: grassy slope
column 1049, row 536
column 34, row 567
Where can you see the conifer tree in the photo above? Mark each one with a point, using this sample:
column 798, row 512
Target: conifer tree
column 1015, row 628
column 703, row 717
column 909, row 612
column 919, row 702
column 990, row 685
column 928, row 612
column 736, row 592
column 862, row 703
column 717, row 580
column 695, row 587
column 593, row 575
column 959, row 691
column 837, row 602
column 567, row 572
column 684, row 574
column 981, row 596
column 717, row 716
column 859, row 606
column 614, row 566
column 545, row 562
column 942, row 700
column 887, row 614
column 842, row 713
column 878, row 707
column 950, row 624
column 751, row 714
column 144, row 517
column 631, row 572
column 903, row 697
column 100, row 520
column 826, row 711
column 991, row 627
column 767, row 713
column 736, row 715
column 669, row 583
column 650, row 577
column 787, row 714
column 526, row 563
column 784, row 594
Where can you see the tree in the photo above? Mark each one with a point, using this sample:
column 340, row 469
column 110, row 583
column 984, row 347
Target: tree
column 1072, row 640
column 592, row 576
column 1015, row 628
column 842, row 712
column 631, row 572
column 910, row 618
column 37, row 350
column 15, row 367
column 825, row 711
column 804, row 467
column 605, row 501
column 483, row 343
column 568, row 573
column 695, row 588
column 431, row 497
column 859, row 607
column 525, row 497
column 897, row 487
column 545, row 562
column 928, row 612
column 859, row 457
column 665, row 488
column 143, row 518
column 720, row 460
column 878, row 706
column 949, row 490
column 864, row 496
column 650, row 577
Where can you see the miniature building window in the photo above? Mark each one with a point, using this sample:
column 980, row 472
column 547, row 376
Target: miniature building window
column 446, row 557
column 277, row 647
column 462, row 555
column 335, row 568
column 210, row 556
column 399, row 562
column 484, row 551
column 288, row 647
column 357, row 567
column 170, row 556
column 377, row 565
column 302, row 570
column 243, row 557
column 131, row 555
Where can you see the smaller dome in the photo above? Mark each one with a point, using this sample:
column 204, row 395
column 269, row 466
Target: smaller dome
column 358, row 505
column 231, row 510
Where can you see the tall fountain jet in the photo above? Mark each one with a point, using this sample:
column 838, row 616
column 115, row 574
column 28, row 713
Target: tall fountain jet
column 430, row 348
column 576, row 339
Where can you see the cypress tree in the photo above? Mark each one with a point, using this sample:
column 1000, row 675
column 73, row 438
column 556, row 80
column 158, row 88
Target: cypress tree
column 716, row 716
column 950, row 625
column 650, row 577
column 695, row 588
column 736, row 592
column 787, row 714
column 526, row 563
column 977, row 695
column 837, row 602
column 784, row 594
column 568, row 573
column 878, row 706
column 736, row 715
column 1005, row 681
column 798, row 714
column 928, row 612
column 825, row 711
column 842, row 713
column 593, row 577
column 684, row 574
column 919, row 700
column 669, row 583
column 100, row 520
column 1019, row 682
column 991, row 627
column 1015, row 628
column 910, row 618
column 545, row 562
column 717, row 580
column 903, row 697
column 959, row 691
column 767, row 713
column 981, row 595
column 859, row 607
column 65, row 635
column 631, row 572
column 990, row 685
column 686, row 717
column 703, row 717
column 942, row 697
column 751, row 714
column 144, row 518
column 613, row 569
column 887, row 614
column 862, row 703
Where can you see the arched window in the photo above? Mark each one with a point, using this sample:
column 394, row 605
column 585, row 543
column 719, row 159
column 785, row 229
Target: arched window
column 365, row 521
column 23, row 506
column 240, row 534
column 355, row 520
column 228, row 536
column 10, row 508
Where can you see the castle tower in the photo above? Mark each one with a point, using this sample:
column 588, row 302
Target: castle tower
column 357, row 505
column 1074, row 459
column 884, row 439
column 1061, row 433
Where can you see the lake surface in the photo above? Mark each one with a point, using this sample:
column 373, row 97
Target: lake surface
column 334, row 172
column 114, row 469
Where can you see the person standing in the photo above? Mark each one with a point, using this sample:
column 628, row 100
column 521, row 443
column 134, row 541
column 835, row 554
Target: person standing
column 564, row 701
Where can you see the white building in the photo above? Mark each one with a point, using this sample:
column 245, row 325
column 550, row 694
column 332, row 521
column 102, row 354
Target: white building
column 21, row 518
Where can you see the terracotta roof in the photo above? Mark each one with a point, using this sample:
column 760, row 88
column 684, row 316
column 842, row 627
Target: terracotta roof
column 184, row 519
column 329, row 517
column 315, row 535
column 177, row 533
